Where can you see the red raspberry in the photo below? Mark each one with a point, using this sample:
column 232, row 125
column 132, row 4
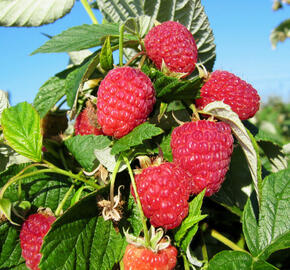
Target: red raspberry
column 203, row 148
column 31, row 237
column 172, row 42
column 163, row 194
column 141, row 258
column 125, row 99
column 86, row 123
column 227, row 87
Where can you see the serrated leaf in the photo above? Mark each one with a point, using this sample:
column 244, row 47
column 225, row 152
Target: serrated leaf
column 10, row 255
column 108, row 160
column 228, row 260
column 190, row 13
column 42, row 190
column 185, row 232
column 32, row 12
column 50, row 93
column 9, row 157
column 169, row 88
column 223, row 111
column 237, row 186
column 75, row 80
column 143, row 132
column 83, row 147
column 83, row 238
column 106, row 56
column 21, row 129
column 280, row 33
column 77, row 57
column 82, row 37
column 272, row 231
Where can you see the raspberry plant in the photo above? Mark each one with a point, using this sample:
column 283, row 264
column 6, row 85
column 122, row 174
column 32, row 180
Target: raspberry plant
column 104, row 190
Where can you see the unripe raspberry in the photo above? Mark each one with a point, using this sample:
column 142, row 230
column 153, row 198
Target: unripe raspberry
column 203, row 148
column 86, row 123
column 174, row 44
column 227, row 87
column 125, row 99
column 141, row 258
column 163, row 194
column 31, row 237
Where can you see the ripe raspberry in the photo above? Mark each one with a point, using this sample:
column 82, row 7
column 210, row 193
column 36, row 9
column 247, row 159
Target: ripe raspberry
column 203, row 148
column 86, row 123
column 31, row 237
column 125, row 99
column 141, row 258
column 172, row 42
column 163, row 194
column 227, row 87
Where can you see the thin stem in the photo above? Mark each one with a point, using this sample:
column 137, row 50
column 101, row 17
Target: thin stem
column 134, row 57
column 225, row 241
column 185, row 263
column 143, row 218
column 121, row 45
column 203, row 246
column 113, row 178
column 89, row 11
column 71, row 175
column 60, row 206
column 59, row 106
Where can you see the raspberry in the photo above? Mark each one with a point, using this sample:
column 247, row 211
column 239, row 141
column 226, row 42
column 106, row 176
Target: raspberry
column 172, row 42
column 31, row 237
column 227, row 87
column 163, row 194
column 86, row 123
column 125, row 99
column 141, row 258
column 203, row 148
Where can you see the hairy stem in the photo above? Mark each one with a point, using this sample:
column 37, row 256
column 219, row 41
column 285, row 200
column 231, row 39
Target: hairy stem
column 225, row 241
column 121, row 41
column 88, row 9
column 143, row 218
column 60, row 206
column 113, row 178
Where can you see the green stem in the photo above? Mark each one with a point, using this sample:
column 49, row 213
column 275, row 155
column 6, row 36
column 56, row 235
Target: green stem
column 60, row 206
column 185, row 262
column 121, row 40
column 143, row 218
column 89, row 11
column 113, row 178
column 225, row 241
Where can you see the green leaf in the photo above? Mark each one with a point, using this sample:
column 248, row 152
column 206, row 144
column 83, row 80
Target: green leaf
column 82, row 37
column 237, row 260
column 21, row 129
column 224, row 112
column 42, row 190
column 188, row 12
column 280, row 33
column 185, row 232
column 51, row 92
column 4, row 101
column 5, row 209
column 166, row 148
column 169, row 88
column 32, row 12
column 237, row 187
column 10, row 250
column 106, row 57
column 83, row 147
column 83, row 238
column 75, row 80
column 143, row 132
column 272, row 231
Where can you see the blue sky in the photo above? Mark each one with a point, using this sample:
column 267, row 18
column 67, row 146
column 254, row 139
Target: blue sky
column 241, row 30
